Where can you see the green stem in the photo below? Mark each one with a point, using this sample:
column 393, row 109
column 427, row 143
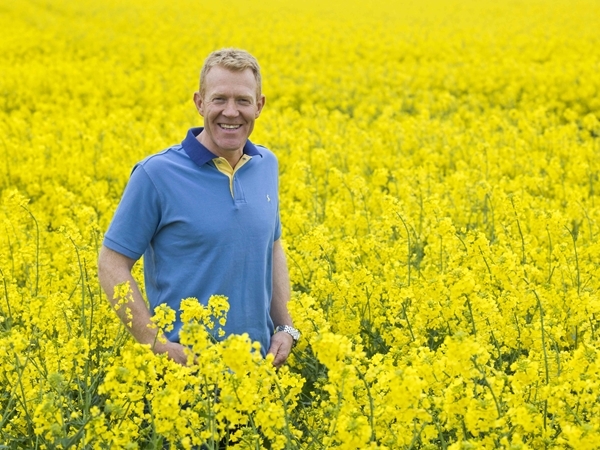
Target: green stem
column 416, row 437
column 441, row 255
column 494, row 340
column 440, row 430
column 472, row 317
column 6, row 295
column 486, row 263
column 409, row 245
column 574, row 238
column 545, row 353
column 487, row 384
column 407, row 321
column 286, row 415
column 371, row 406
column 523, row 258
column 550, row 268
column 82, row 278
column 37, row 250
column 21, row 369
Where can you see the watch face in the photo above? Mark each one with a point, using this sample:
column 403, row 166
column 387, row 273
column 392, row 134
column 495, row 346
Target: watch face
column 294, row 333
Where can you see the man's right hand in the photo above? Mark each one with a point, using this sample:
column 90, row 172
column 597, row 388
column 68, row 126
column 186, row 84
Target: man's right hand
column 115, row 269
column 174, row 351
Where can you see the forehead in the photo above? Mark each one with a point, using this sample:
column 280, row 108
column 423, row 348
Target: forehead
column 225, row 81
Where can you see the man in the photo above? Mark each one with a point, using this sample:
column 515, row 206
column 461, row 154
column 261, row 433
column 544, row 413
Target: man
column 205, row 215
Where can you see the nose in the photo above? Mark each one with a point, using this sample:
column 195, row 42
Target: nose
column 230, row 109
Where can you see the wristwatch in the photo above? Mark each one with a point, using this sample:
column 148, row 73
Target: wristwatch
column 295, row 334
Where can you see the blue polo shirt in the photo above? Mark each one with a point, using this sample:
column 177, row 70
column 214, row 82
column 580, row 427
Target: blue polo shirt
column 204, row 229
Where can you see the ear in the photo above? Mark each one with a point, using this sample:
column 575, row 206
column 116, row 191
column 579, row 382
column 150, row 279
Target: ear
column 260, row 104
column 199, row 103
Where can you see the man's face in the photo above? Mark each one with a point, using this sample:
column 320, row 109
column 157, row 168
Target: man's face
column 229, row 107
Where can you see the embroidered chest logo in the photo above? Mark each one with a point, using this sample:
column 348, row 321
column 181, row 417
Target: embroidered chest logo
column 268, row 198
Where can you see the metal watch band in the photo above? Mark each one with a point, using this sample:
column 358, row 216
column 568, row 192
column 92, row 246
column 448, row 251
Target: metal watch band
column 295, row 334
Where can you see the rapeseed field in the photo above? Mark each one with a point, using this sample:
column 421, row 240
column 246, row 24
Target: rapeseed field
column 440, row 201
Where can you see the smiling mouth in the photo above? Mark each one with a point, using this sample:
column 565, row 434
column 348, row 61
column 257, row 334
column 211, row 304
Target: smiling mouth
column 226, row 126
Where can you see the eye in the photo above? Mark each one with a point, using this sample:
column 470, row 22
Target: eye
column 218, row 100
column 244, row 101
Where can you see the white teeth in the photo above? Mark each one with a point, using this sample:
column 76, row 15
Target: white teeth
column 229, row 127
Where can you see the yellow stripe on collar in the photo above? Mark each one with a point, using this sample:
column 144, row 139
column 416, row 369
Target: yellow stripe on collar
column 225, row 168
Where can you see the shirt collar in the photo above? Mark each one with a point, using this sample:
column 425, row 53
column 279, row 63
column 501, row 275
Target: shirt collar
column 201, row 155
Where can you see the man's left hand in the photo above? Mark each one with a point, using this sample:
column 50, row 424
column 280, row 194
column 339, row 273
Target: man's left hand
column 281, row 346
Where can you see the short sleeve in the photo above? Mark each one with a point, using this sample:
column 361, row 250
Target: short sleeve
column 137, row 217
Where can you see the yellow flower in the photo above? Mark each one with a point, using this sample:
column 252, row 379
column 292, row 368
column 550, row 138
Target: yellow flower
column 163, row 317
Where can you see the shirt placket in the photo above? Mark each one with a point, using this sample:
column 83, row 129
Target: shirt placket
column 235, row 188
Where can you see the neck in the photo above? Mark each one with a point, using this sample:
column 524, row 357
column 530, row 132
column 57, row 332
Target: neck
column 232, row 156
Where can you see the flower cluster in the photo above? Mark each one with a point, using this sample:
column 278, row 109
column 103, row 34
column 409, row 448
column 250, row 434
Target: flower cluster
column 440, row 202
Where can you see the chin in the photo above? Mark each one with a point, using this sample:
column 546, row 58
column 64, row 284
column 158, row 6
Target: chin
column 232, row 145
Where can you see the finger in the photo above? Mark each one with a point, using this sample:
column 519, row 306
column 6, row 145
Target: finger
column 281, row 356
column 275, row 351
column 279, row 360
column 275, row 348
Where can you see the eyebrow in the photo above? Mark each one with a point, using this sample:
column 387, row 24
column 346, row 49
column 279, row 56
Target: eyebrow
column 243, row 96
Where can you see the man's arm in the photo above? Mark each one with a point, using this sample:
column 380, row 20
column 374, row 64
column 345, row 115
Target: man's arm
column 281, row 343
column 114, row 269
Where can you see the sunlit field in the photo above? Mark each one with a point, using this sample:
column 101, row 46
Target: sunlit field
column 440, row 201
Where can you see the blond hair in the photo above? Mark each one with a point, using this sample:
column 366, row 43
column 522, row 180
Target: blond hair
column 232, row 59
